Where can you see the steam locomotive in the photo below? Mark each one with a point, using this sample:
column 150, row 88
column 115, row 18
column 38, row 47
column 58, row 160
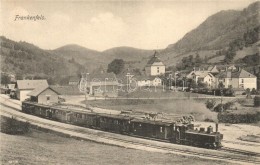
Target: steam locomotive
column 163, row 130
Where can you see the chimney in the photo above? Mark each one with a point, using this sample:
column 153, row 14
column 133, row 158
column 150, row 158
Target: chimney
column 216, row 127
column 193, row 68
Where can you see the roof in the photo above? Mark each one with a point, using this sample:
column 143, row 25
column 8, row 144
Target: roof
column 114, row 116
column 31, row 84
column 235, row 74
column 154, row 60
column 74, row 79
column 245, row 74
column 102, row 77
column 201, row 74
column 37, row 91
column 67, row 90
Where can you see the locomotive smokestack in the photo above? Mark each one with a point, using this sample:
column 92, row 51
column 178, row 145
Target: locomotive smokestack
column 216, row 127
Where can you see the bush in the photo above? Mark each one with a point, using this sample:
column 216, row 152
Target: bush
column 228, row 105
column 209, row 120
column 238, row 118
column 223, row 107
column 13, row 126
column 210, row 103
column 254, row 92
column 219, row 108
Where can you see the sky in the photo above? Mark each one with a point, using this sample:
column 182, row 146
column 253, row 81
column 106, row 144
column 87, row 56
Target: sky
column 101, row 25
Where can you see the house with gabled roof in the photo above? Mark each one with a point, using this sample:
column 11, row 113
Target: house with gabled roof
column 155, row 66
column 24, row 87
column 44, row 95
column 203, row 76
column 102, row 84
column 239, row 78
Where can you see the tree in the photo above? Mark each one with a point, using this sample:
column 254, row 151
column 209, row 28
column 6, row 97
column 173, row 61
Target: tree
column 248, row 94
column 193, row 84
column 253, row 92
column 198, row 60
column 230, row 91
column 221, row 85
column 210, row 104
column 5, row 79
column 116, row 66
column 201, row 84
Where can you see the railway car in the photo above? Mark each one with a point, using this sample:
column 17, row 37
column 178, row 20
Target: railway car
column 151, row 128
column 114, row 123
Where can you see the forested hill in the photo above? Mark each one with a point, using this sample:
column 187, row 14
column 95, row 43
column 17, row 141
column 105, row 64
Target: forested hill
column 25, row 60
column 218, row 30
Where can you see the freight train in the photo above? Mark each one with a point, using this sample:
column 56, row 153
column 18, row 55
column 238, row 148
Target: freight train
column 164, row 130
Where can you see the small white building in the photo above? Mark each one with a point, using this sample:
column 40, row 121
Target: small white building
column 24, row 87
column 44, row 95
column 148, row 81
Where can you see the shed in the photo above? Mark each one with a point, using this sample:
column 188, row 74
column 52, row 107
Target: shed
column 24, row 87
column 44, row 95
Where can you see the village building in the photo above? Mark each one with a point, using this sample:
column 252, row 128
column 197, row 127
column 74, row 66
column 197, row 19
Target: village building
column 148, row 81
column 204, row 77
column 44, row 95
column 102, row 84
column 155, row 66
column 237, row 79
column 74, row 80
column 24, row 87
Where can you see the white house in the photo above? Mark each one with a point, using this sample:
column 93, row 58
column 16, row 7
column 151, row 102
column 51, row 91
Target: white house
column 155, row 66
column 203, row 76
column 149, row 81
column 237, row 79
column 24, row 87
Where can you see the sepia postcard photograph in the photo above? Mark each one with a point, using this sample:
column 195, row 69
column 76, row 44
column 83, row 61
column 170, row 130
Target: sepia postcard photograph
column 113, row 82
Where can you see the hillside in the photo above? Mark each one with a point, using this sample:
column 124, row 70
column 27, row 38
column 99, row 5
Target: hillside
column 78, row 53
column 218, row 30
column 28, row 60
column 127, row 53
column 92, row 59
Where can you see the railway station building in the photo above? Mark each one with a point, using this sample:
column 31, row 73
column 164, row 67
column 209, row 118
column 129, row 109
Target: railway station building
column 44, row 95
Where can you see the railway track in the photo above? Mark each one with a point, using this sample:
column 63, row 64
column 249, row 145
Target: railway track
column 241, row 143
column 249, row 153
column 240, row 155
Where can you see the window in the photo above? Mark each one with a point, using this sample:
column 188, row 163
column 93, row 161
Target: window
column 48, row 98
column 158, row 69
column 161, row 129
column 242, row 80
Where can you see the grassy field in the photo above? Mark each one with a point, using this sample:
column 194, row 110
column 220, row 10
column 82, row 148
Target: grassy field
column 45, row 148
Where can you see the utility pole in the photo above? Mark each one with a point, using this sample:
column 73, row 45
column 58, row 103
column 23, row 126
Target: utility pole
column 221, row 91
column 175, row 81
